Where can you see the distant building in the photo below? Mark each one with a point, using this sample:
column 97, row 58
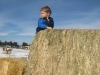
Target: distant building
column 28, row 47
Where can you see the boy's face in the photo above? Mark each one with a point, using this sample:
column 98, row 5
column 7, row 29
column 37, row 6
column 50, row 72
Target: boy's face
column 44, row 14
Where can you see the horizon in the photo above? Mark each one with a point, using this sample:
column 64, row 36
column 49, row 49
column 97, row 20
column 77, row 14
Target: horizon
column 18, row 18
column 13, row 42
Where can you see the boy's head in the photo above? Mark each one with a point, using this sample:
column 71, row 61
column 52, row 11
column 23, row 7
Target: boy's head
column 45, row 11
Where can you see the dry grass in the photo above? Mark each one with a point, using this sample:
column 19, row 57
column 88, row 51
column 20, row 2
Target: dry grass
column 65, row 52
column 12, row 66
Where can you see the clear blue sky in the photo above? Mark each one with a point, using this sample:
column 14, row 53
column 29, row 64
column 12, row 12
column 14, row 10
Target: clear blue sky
column 18, row 18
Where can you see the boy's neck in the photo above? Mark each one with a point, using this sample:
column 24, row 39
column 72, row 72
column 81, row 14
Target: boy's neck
column 48, row 18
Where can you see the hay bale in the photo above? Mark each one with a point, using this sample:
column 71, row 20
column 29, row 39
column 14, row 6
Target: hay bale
column 65, row 52
column 12, row 66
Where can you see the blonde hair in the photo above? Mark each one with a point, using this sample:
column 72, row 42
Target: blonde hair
column 46, row 9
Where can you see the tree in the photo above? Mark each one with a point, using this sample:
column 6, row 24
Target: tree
column 5, row 43
column 0, row 43
column 10, row 43
column 15, row 44
column 24, row 44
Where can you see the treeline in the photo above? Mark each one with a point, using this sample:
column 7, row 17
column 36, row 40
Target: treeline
column 12, row 43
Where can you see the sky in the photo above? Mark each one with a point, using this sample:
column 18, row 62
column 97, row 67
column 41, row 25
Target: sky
column 19, row 18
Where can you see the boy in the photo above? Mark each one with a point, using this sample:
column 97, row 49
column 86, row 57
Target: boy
column 45, row 22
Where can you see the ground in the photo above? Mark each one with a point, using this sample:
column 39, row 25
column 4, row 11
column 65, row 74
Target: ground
column 16, row 53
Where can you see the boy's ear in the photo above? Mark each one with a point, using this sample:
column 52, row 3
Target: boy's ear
column 48, row 14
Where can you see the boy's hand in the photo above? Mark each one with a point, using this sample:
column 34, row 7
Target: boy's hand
column 49, row 27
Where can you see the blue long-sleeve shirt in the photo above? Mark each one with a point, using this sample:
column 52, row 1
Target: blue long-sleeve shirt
column 43, row 23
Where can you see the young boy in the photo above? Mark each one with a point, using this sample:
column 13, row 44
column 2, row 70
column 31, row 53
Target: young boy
column 45, row 22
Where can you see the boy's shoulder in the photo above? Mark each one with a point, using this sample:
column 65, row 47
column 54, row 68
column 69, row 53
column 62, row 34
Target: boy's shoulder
column 51, row 18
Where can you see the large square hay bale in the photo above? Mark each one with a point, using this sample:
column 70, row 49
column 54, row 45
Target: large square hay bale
column 65, row 52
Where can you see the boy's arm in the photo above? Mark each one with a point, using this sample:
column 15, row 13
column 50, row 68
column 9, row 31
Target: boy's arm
column 51, row 23
column 41, row 24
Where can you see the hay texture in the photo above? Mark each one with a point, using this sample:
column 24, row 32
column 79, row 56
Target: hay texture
column 65, row 52
column 11, row 66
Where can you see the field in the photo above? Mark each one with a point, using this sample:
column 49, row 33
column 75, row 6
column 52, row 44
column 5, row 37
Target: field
column 16, row 53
